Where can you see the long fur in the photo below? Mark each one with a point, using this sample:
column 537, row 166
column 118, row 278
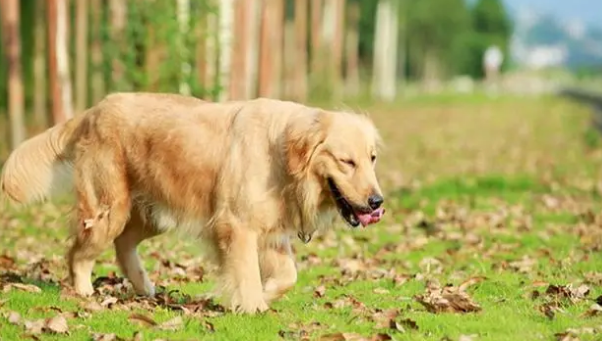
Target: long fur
column 243, row 177
column 41, row 167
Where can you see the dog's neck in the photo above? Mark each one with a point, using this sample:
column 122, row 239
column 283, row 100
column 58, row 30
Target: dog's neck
column 305, row 207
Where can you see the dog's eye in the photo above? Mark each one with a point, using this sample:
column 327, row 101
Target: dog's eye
column 349, row 162
column 373, row 158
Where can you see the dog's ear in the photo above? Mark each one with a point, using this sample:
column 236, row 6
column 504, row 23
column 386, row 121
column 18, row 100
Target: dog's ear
column 303, row 135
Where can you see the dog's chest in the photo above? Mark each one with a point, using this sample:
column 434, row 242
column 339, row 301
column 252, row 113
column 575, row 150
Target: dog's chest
column 165, row 219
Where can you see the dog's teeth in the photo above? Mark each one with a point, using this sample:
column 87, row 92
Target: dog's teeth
column 88, row 223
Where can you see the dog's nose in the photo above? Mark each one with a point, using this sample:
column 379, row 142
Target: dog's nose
column 375, row 201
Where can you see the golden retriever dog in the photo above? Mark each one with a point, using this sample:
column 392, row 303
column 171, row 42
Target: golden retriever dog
column 242, row 177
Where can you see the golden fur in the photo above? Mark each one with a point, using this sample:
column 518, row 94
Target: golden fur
column 243, row 176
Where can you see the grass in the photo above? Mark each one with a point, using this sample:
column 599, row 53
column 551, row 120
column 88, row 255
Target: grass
column 505, row 190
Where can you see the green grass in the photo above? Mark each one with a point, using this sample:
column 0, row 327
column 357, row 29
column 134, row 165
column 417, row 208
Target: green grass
column 470, row 204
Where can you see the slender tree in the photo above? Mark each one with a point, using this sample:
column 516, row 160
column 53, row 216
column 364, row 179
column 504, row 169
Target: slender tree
column 62, row 105
column 118, row 17
column 98, row 86
column 352, row 84
column 184, row 27
column 10, row 10
column 266, row 57
column 385, row 51
column 81, row 48
column 300, row 80
column 238, row 72
column 252, row 47
column 226, row 17
column 40, row 112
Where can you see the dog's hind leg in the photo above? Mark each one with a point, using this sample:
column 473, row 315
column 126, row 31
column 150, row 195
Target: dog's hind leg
column 102, row 212
column 278, row 270
column 136, row 230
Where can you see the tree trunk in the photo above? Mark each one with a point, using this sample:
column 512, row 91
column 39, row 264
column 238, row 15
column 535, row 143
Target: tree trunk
column 81, row 46
column 208, row 53
column 316, row 37
column 58, row 59
column 98, row 86
column 226, row 17
column 352, row 84
column 278, row 36
column 237, row 72
column 337, row 47
column 253, row 15
column 118, row 16
column 266, row 55
column 10, row 10
column 184, row 26
column 289, row 62
column 300, row 67
column 40, row 114
column 385, row 51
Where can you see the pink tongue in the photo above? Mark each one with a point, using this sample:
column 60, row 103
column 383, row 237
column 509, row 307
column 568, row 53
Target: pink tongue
column 370, row 218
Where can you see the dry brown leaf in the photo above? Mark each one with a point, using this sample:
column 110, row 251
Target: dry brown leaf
column 320, row 291
column 173, row 324
column 467, row 337
column 106, row 337
column 209, row 326
column 35, row 327
column 342, row 337
column 594, row 310
column 92, row 306
column 57, row 325
column 108, row 302
column 142, row 320
column 14, row 317
column 449, row 298
column 384, row 318
column 23, row 287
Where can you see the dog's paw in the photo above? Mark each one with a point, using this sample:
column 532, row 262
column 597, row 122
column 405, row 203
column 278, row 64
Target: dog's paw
column 249, row 305
column 84, row 290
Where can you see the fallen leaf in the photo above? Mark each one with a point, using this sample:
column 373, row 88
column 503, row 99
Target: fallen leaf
column 209, row 326
column 106, row 337
column 320, row 291
column 449, row 298
column 594, row 310
column 108, row 302
column 14, row 318
column 23, row 287
column 142, row 320
column 467, row 337
column 342, row 337
column 35, row 327
column 57, row 325
column 173, row 324
column 92, row 306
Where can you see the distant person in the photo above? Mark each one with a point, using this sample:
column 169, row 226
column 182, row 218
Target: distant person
column 492, row 63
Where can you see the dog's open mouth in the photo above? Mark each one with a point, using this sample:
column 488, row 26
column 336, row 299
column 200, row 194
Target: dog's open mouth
column 352, row 214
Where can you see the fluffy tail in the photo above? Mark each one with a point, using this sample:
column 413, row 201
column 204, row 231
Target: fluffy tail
column 41, row 167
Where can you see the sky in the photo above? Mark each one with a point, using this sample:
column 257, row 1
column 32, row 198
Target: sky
column 588, row 11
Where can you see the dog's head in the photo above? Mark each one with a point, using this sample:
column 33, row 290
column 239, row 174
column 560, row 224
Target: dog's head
column 338, row 151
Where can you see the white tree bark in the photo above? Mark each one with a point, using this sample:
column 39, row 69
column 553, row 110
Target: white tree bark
column 385, row 51
column 62, row 59
column 81, row 64
column 226, row 16
column 252, row 53
column 184, row 26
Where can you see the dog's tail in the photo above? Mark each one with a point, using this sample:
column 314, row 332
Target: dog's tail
column 42, row 166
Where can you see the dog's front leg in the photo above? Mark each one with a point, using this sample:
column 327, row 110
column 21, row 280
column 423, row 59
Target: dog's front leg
column 241, row 280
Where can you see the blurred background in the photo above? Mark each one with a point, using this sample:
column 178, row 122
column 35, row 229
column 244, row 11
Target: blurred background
column 62, row 56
